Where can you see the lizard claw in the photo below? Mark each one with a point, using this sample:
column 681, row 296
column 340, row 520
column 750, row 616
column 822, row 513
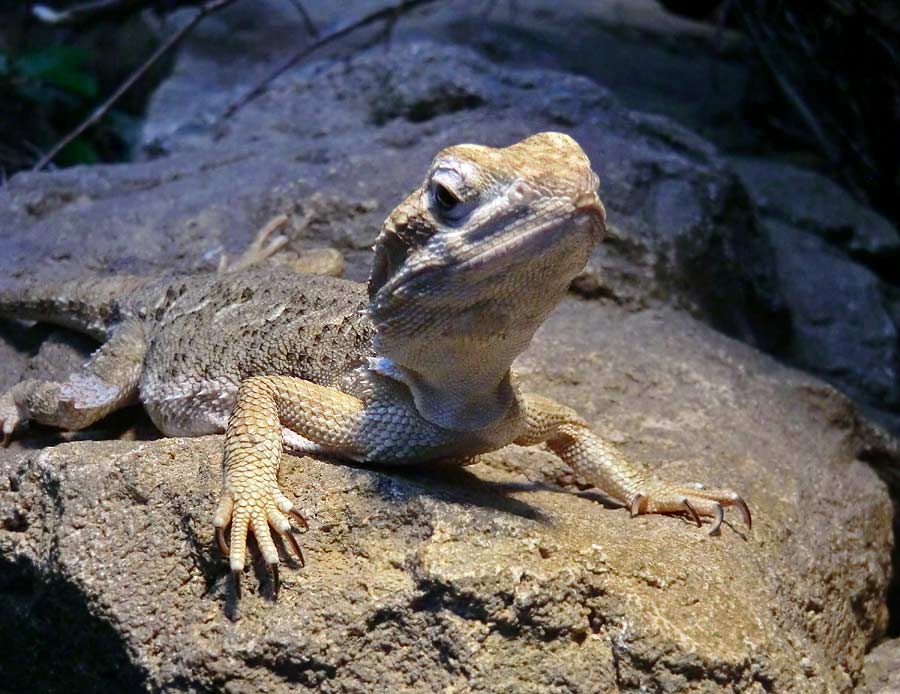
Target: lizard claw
column 289, row 538
column 717, row 523
column 745, row 511
column 301, row 521
column 696, row 516
column 635, row 508
column 695, row 501
column 223, row 543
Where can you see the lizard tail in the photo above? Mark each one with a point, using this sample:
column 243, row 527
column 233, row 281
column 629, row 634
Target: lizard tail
column 89, row 305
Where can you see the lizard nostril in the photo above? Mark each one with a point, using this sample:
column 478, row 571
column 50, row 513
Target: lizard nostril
column 519, row 193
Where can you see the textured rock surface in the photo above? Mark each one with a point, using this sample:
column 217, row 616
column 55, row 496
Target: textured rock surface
column 836, row 261
column 480, row 577
column 697, row 74
column 882, row 669
column 816, row 204
column 467, row 578
column 841, row 325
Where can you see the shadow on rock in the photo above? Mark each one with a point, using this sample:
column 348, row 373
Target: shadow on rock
column 52, row 642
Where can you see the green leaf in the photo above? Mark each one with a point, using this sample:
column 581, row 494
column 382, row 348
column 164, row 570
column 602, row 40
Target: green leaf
column 60, row 66
column 78, row 151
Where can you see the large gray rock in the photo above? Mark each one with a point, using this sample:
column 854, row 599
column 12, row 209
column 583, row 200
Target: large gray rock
column 816, row 204
column 477, row 578
column 696, row 73
column 489, row 578
column 841, row 327
column 833, row 258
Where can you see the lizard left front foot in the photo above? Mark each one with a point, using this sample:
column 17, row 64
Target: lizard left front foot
column 599, row 463
column 251, row 511
column 659, row 497
column 11, row 417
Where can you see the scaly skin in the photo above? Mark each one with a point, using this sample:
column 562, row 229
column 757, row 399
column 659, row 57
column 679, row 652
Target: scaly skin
column 416, row 368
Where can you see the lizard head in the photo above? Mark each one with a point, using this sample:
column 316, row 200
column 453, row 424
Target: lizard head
column 472, row 262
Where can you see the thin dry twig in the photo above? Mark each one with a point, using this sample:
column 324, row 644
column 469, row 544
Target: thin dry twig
column 385, row 14
column 792, row 94
column 80, row 13
column 98, row 10
column 307, row 20
column 98, row 113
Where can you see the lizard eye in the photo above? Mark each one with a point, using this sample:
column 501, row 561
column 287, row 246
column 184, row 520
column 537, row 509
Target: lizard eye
column 446, row 202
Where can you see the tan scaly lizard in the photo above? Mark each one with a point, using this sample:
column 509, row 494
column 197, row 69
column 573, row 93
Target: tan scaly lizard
column 414, row 368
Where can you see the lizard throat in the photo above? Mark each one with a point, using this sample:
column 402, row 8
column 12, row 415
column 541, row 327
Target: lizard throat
column 454, row 404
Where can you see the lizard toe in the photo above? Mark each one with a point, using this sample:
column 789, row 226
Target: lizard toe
column 237, row 552
column 286, row 506
column 260, row 526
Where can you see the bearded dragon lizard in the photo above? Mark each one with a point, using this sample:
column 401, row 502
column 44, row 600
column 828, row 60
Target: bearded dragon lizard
column 413, row 368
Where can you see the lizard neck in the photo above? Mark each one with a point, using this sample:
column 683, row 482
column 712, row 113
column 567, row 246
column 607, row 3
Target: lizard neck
column 461, row 387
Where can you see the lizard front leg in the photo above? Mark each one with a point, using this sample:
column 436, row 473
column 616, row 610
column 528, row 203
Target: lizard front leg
column 251, row 499
column 108, row 382
column 597, row 462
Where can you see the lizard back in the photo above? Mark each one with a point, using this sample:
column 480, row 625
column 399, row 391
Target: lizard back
column 207, row 333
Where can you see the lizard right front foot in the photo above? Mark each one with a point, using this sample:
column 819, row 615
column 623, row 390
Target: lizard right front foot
column 247, row 510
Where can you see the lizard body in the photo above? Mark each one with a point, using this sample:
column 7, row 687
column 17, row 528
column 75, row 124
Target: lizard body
column 414, row 367
column 184, row 344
